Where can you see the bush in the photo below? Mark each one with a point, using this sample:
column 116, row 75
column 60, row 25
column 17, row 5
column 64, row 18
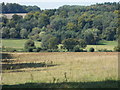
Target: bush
column 53, row 50
column 29, row 46
column 34, row 50
column 43, row 49
column 104, row 50
column 117, row 48
column 91, row 49
column 49, row 50
column 30, row 49
column 38, row 49
column 77, row 49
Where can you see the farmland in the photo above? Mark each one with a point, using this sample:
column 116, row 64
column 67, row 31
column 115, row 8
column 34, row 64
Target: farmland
column 60, row 70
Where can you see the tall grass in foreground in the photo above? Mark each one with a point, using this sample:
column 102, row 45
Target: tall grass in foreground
column 99, row 68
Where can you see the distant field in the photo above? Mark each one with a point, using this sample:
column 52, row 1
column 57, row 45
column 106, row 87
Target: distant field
column 61, row 70
column 109, row 45
column 9, row 16
column 17, row 43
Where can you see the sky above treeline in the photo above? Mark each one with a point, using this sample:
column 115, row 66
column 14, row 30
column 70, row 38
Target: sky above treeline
column 51, row 4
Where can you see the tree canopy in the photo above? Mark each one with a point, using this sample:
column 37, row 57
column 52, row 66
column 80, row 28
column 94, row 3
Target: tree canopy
column 67, row 24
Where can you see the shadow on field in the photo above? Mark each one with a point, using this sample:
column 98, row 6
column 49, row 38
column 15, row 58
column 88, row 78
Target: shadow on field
column 6, row 56
column 24, row 65
column 101, row 44
column 99, row 84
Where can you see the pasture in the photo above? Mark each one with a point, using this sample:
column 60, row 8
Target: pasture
column 60, row 70
column 19, row 44
column 109, row 45
column 16, row 43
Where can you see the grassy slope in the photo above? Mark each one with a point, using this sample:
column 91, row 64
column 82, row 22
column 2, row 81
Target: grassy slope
column 109, row 45
column 14, row 43
column 92, row 68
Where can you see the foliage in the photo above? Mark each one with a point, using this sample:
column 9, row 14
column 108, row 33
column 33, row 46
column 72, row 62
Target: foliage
column 70, row 43
column 104, row 50
column 53, row 26
column 29, row 46
column 117, row 48
column 16, row 8
column 49, row 42
column 91, row 50
column 91, row 36
column 77, row 49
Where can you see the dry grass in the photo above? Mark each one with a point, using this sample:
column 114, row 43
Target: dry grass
column 9, row 16
column 70, row 66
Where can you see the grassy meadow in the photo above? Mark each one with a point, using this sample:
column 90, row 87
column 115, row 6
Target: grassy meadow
column 60, row 70
column 109, row 45
column 19, row 44
column 16, row 43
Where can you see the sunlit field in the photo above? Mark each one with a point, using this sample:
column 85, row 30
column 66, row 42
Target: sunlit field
column 60, row 70
column 16, row 43
column 19, row 44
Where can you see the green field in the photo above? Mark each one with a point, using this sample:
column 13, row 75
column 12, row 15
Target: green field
column 16, row 43
column 60, row 70
column 109, row 45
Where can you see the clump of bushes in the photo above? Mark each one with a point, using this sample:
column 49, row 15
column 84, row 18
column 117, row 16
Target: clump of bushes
column 78, row 49
column 38, row 49
column 104, row 50
column 117, row 48
column 29, row 46
column 91, row 49
column 53, row 50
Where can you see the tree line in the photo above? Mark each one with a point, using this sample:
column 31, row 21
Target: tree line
column 82, row 25
column 16, row 8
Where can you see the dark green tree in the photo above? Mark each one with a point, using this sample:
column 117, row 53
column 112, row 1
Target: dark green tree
column 13, row 33
column 29, row 45
column 70, row 43
column 23, row 33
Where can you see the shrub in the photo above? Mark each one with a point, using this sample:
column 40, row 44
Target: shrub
column 91, row 49
column 34, row 50
column 77, row 49
column 30, row 49
column 53, row 50
column 38, row 49
column 29, row 46
column 117, row 48
column 43, row 49
column 70, row 43
column 49, row 50
column 104, row 50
